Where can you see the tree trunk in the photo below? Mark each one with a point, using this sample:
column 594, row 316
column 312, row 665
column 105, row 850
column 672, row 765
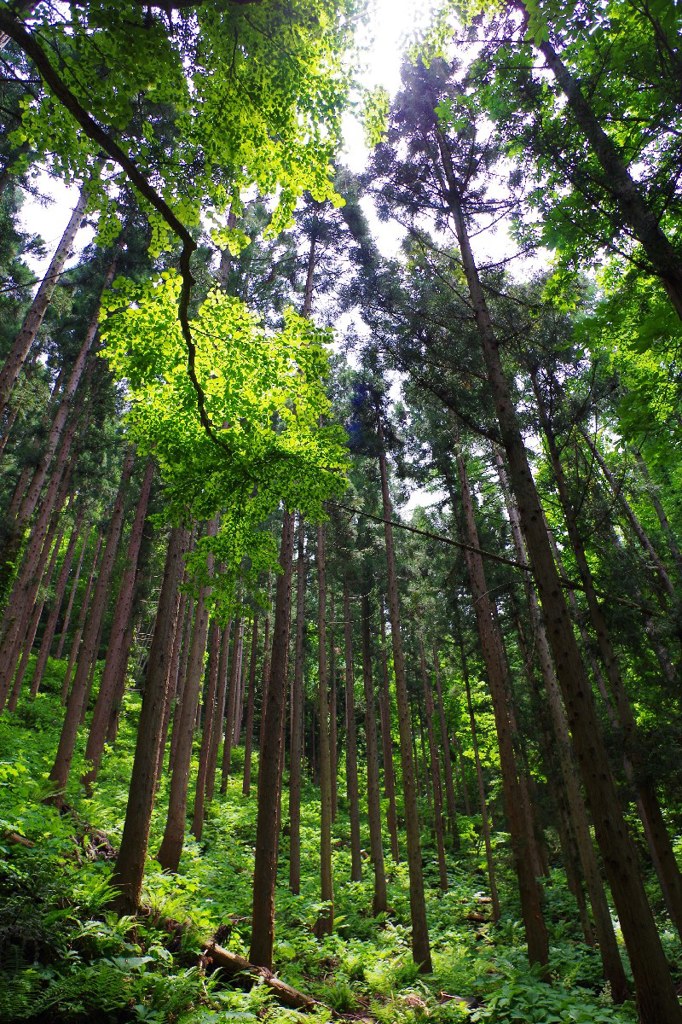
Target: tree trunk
column 250, row 704
column 420, row 933
column 211, row 724
column 434, row 761
column 561, row 743
column 297, row 722
column 485, row 820
column 657, row 1000
column 231, row 701
column 61, row 768
column 34, row 318
column 351, row 743
column 30, row 635
column 333, row 712
column 325, row 920
column 380, row 899
column 186, row 714
column 72, row 596
column 515, row 800
column 447, row 759
column 657, row 835
column 269, row 775
column 117, row 650
column 387, row 742
column 82, row 616
column 60, row 589
column 129, row 869
column 216, row 732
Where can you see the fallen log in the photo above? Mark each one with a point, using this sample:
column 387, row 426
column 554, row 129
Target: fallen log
column 233, row 964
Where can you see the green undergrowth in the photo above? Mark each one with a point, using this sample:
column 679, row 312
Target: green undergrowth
column 65, row 957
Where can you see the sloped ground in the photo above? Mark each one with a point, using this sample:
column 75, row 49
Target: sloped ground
column 65, row 958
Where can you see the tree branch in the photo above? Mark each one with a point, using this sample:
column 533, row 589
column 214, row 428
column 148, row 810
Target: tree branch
column 51, row 77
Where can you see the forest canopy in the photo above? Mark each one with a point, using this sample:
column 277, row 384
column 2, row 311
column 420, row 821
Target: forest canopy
column 340, row 521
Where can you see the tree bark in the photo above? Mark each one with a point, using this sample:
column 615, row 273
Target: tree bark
column 351, row 743
column 211, row 723
column 129, row 869
column 82, row 616
column 656, row 997
column 61, row 768
column 434, row 761
column 485, row 819
column 34, row 318
column 297, row 721
column 447, row 759
column 186, row 714
column 216, row 733
column 250, row 704
column 657, row 835
column 117, row 650
column 269, row 775
column 515, row 801
column 325, row 920
column 608, row 945
column 380, row 898
column 387, row 742
column 420, row 933
column 53, row 617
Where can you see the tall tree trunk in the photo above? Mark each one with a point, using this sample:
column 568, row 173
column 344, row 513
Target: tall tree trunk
column 657, row 1000
column 447, row 759
column 53, row 617
column 117, row 650
column 325, row 920
column 660, row 844
column 485, row 819
column 72, row 596
column 608, row 945
column 34, row 318
column 653, row 495
column 515, row 800
column 387, row 742
column 30, row 635
column 25, row 588
column 351, row 743
column 211, row 723
column 232, row 700
column 217, row 731
column 380, row 899
column 333, row 711
column 420, row 933
column 434, row 760
column 129, row 869
column 82, row 616
column 640, row 533
column 59, row 420
column 269, row 775
column 250, row 705
column 297, row 721
column 61, row 768
column 186, row 715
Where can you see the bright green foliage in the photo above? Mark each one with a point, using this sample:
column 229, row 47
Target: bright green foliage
column 65, row 957
column 207, row 101
column 264, row 394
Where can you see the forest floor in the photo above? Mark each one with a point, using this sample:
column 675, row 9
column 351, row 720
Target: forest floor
column 65, row 958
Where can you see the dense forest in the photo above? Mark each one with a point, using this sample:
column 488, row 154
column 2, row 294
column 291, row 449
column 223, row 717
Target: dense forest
column 341, row 514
